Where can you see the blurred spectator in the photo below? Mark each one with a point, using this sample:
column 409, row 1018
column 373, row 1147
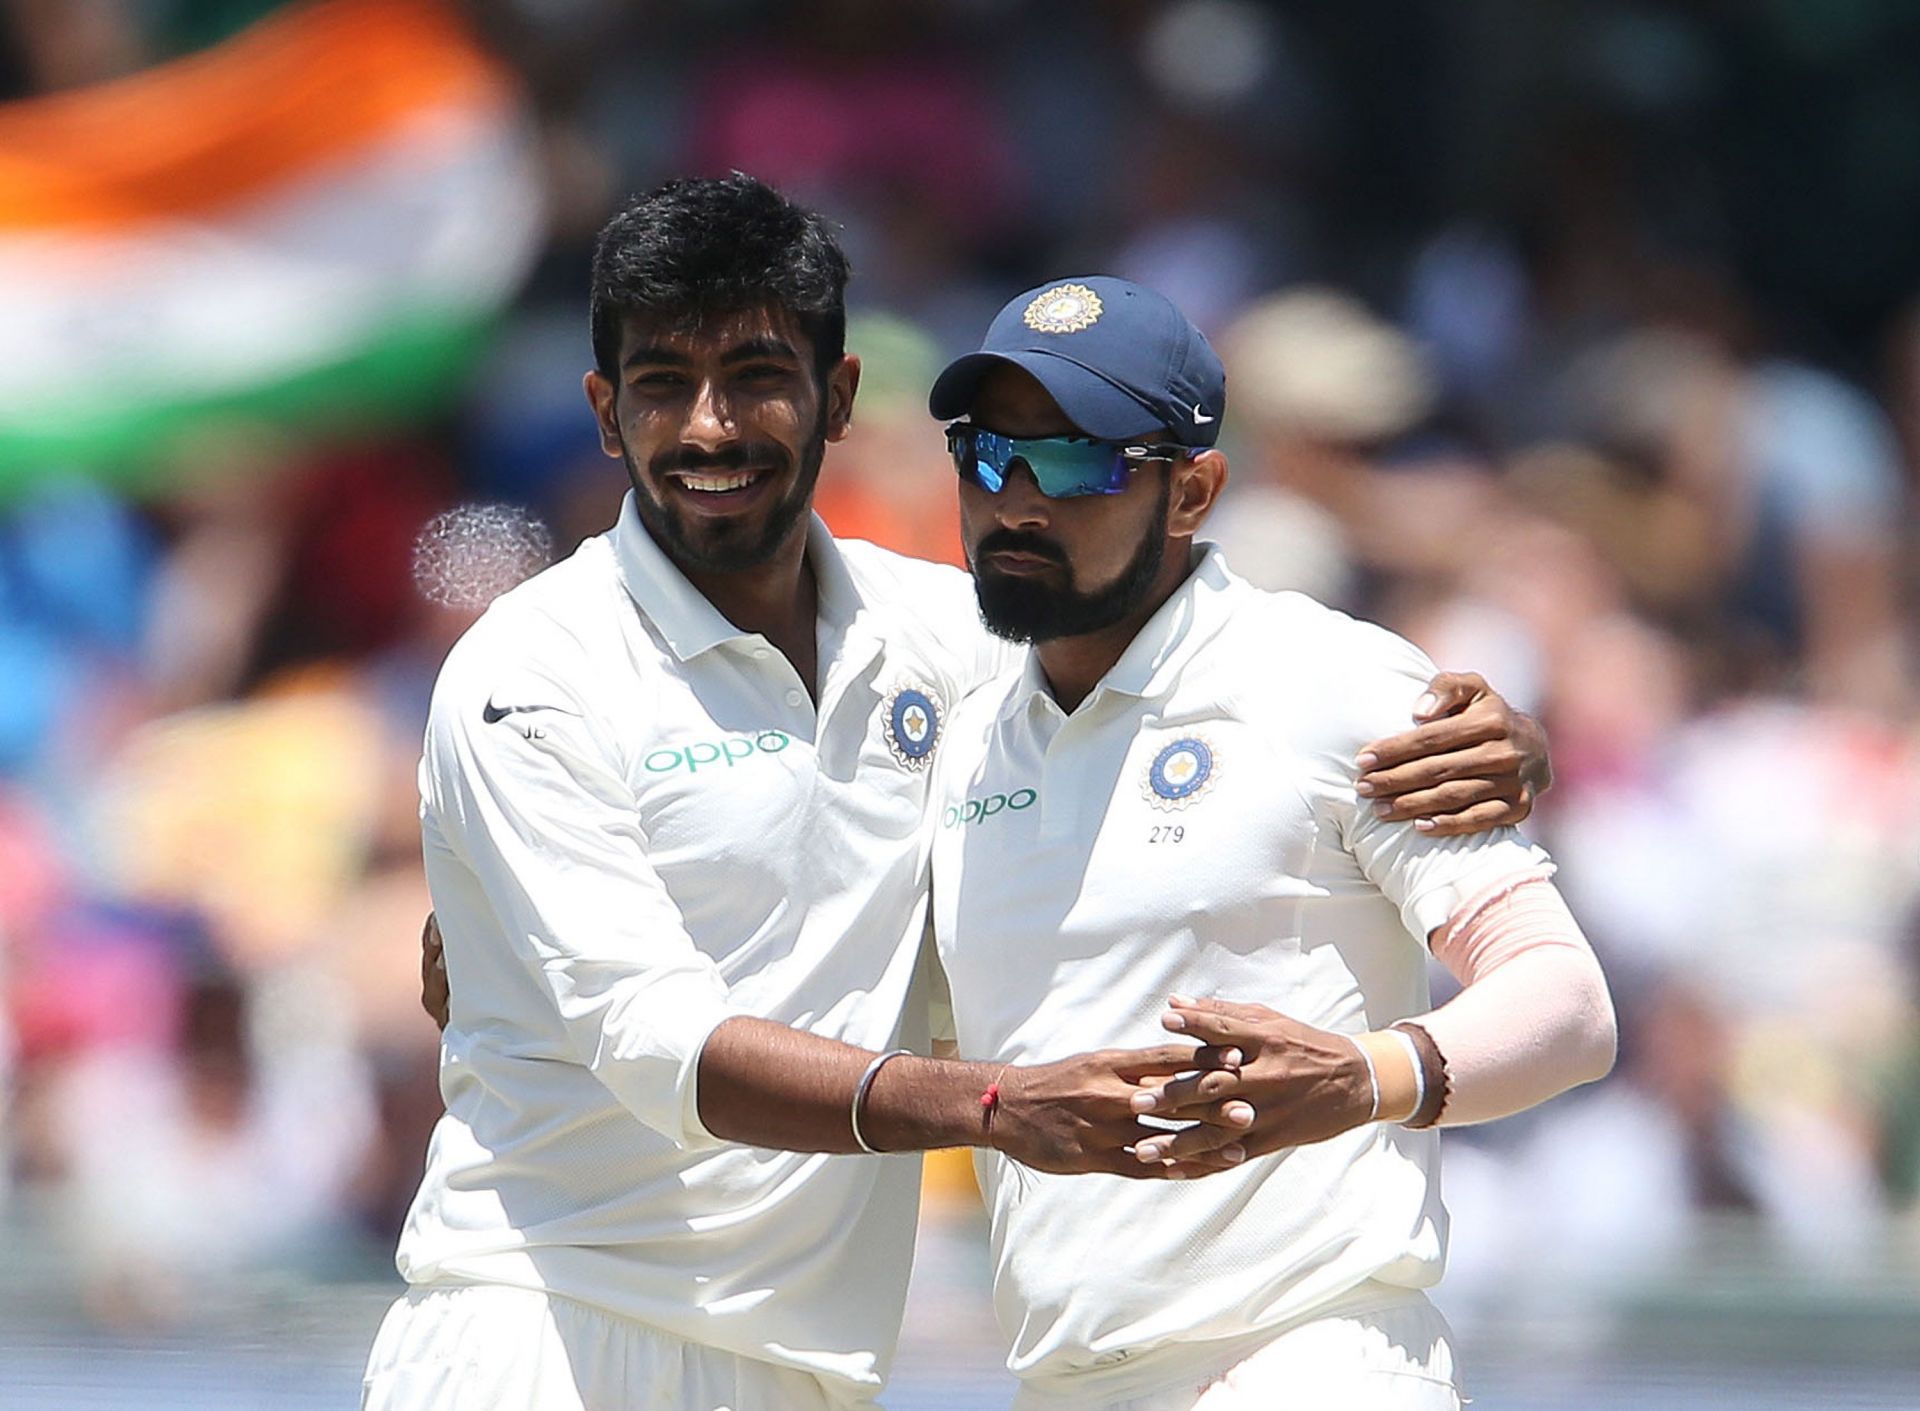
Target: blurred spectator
column 883, row 481
column 1319, row 388
column 76, row 565
column 1796, row 472
column 228, row 1149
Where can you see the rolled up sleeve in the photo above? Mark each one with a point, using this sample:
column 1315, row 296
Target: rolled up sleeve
column 538, row 810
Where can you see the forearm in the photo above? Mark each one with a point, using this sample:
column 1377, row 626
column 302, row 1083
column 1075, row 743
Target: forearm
column 1539, row 1025
column 1534, row 1017
column 767, row 1085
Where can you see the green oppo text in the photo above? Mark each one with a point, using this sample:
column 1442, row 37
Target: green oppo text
column 980, row 810
column 703, row 753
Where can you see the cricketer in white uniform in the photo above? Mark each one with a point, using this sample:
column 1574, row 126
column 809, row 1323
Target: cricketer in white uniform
column 1162, row 802
column 639, row 821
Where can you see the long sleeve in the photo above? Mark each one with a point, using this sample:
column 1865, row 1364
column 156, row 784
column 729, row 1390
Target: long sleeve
column 532, row 805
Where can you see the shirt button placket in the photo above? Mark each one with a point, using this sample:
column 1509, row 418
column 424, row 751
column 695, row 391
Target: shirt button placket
column 1057, row 804
column 768, row 660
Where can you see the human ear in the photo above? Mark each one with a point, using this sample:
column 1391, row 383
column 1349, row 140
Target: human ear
column 1197, row 483
column 600, row 396
column 842, row 383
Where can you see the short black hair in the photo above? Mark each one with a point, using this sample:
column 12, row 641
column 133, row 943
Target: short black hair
column 697, row 248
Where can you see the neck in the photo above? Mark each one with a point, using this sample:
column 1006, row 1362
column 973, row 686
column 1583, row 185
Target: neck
column 1074, row 665
column 778, row 599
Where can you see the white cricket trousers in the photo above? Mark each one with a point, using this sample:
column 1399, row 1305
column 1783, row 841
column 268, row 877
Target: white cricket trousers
column 485, row 1347
column 1398, row 1357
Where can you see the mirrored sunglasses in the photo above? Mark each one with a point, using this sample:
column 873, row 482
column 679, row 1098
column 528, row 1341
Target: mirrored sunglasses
column 1062, row 466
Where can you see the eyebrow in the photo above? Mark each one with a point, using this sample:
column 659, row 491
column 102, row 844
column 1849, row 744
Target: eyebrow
column 760, row 348
column 656, row 353
column 660, row 354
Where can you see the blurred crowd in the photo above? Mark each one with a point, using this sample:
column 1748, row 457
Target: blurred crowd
column 1580, row 343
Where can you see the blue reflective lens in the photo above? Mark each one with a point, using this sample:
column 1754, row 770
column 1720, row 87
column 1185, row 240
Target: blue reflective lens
column 1062, row 466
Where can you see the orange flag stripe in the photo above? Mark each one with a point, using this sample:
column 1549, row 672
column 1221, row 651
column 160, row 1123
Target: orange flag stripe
column 304, row 87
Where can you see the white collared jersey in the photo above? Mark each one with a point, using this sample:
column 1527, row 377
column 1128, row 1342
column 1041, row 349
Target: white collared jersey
column 1192, row 828
column 636, row 824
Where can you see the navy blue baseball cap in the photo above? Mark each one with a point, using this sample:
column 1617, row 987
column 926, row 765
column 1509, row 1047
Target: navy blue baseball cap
column 1119, row 358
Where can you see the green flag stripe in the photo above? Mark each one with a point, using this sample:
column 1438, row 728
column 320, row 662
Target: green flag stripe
column 410, row 370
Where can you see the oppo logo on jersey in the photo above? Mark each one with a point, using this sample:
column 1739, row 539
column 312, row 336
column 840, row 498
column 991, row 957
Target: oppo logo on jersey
column 980, row 810
column 703, row 753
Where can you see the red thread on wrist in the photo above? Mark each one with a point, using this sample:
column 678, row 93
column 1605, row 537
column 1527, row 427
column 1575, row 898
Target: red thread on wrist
column 990, row 1103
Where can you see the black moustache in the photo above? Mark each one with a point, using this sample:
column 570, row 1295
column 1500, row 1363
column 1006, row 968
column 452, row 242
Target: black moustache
column 1006, row 541
column 731, row 459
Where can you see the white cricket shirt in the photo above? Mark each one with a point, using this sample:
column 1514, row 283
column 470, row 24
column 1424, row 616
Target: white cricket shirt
column 636, row 825
column 1192, row 828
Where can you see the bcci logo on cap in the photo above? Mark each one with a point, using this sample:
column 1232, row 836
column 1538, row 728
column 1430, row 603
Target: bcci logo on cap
column 1065, row 308
column 912, row 726
column 1180, row 773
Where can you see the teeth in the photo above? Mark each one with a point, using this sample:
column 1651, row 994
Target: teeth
column 711, row 483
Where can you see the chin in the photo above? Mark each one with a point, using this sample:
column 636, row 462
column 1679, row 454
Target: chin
column 1016, row 609
column 734, row 546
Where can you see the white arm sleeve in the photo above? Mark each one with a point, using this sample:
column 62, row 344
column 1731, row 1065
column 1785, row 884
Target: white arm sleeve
column 1534, row 1018
column 544, row 820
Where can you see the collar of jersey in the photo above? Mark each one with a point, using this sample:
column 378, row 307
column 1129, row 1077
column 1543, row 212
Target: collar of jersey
column 692, row 625
column 1152, row 660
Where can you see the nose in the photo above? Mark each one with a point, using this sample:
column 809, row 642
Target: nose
column 710, row 419
column 1020, row 505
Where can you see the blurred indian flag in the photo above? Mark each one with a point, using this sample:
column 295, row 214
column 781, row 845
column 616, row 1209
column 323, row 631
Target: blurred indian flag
column 311, row 223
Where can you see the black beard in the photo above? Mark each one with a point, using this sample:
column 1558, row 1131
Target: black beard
column 1024, row 609
column 726, row 548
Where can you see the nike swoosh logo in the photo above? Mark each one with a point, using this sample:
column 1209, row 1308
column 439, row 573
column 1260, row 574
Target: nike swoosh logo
column 494, row 714
column 1200, row 418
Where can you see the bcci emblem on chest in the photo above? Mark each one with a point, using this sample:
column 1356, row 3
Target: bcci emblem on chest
column 912, row 725
column 1180, row 773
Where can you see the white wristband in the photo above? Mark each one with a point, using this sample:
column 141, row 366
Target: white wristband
column 860, row 1097
column 1373, row 1077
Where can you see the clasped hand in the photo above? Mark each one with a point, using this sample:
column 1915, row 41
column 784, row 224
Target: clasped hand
column 1082, row 1114
column 1273, row 1081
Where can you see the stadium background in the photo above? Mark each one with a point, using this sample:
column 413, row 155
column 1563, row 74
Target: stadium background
column 1580, row 342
